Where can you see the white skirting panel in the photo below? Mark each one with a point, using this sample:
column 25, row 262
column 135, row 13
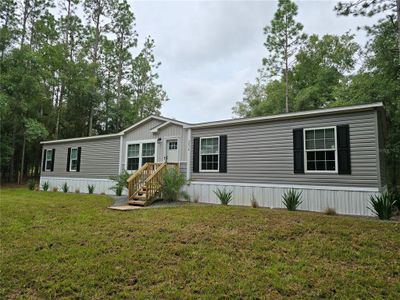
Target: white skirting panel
column 100, row 185
column 350, row 201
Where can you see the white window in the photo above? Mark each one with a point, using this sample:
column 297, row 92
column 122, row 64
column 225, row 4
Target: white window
column 133, row 157
column 49, row 159
column 172, row 145
column 320, row 149
column 139, row 154
column 148, row 152
column 209, row 154
column 73, row 159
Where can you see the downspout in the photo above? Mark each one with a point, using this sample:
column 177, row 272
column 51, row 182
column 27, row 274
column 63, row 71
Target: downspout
column 188, row 153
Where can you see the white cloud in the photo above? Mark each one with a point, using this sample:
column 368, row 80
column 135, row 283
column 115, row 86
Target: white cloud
column 209, row 50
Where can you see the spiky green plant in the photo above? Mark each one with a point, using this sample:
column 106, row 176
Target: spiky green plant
column 65, row 187
column 121, row 182
column 224, row 196
column 90, row 188
column 172, row 182
column 45, row 186
column 31, row 184
column 292, row 199
column 383, row 205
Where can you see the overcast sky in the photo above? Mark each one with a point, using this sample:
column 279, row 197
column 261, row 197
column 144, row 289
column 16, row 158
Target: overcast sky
column 210, row 49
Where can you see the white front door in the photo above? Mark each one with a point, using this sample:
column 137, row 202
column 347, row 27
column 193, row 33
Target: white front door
column 172, row 150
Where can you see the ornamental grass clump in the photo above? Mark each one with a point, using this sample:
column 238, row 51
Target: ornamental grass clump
column 45, row 186
column 330, row 211
column 121, row 182
column 292, row 199
column 383, row 205
column 254, row 203
column 90, row 188
column 172, row 182
column 31, row 184
column 65, row 187
column 224, row 196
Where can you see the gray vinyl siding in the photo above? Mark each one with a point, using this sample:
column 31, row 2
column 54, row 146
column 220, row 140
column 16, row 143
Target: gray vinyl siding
column 141, row 133
column 262, row 153
column 99, row 158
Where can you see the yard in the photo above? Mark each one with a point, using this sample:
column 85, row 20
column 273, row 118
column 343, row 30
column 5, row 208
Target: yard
column 70, row 245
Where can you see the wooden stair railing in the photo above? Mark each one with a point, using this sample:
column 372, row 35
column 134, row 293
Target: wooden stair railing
column 137, row 179
column 147, row 191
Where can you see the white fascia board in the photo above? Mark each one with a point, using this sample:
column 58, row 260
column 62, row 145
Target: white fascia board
column 155, row 129
column 104, row 136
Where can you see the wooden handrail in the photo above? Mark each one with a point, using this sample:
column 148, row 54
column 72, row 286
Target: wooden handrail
column 155, row 173
column 136, row 174
column 136, row 180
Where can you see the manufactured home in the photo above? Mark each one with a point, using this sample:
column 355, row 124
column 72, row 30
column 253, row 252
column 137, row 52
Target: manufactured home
column 334, row 156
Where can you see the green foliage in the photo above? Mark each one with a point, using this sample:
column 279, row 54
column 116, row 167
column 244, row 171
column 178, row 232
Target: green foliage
column 284, row 37
column 383, row 205
column 292, row 199
column 118, row 190
column 67, row 70
column 65, row 187
column 31, row 184
column 172, row 182
column 224, row 196
column 45, row 186
column 121, row 182
column 365, row 7
column 90, row 188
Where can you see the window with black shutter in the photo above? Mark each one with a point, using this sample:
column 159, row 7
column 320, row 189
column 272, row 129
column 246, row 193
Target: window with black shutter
column 298, row 151
column 343, row 146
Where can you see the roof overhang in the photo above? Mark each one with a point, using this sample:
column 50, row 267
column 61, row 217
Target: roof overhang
column 293, row 115
column 87, row 138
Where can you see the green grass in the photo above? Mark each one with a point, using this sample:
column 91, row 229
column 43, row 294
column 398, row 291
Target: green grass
column 56, row 245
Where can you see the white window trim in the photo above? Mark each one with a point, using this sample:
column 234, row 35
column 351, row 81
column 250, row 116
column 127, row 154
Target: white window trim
column 140, row 142
column 200, row 168
column 305, row 151
column 46, row 160
column 70, row 159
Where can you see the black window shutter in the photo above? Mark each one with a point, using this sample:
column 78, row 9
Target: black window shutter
column 298, row 151
column 52, row 159
column 44, row 160
column 223, row 153
column 343, row 148
column 78, row 164
column 68, row 158
column 196, row 146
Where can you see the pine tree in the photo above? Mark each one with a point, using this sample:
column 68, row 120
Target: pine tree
column 283, row 39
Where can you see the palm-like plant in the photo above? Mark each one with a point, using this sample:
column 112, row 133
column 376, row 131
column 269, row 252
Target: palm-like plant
column 172, row 182
column 383, row 205
column 292, row 199
column 224, row 196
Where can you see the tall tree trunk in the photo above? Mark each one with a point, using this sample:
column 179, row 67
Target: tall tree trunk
column 95, row 59
column 13, row 143
column 398, row 26
column 21, row 174
column 24, row 20
column 286, row 74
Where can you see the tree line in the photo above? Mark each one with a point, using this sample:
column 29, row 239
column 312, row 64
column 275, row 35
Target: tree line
column 69, row 68
column 303, row 72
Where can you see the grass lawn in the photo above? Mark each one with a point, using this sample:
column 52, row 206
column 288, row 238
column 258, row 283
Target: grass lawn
column 56, row 245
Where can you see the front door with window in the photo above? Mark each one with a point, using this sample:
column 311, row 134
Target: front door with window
column 172, row 150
